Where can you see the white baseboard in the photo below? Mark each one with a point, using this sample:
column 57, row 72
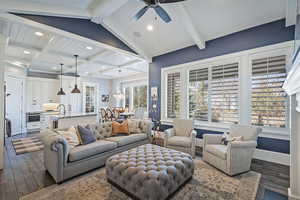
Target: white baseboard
column 270, row 156
column 292, row 197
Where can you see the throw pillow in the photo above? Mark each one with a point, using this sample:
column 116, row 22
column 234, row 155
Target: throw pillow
column 86, row 135
column 120, row 128
column 95, row 128
column 134, row 126
column 227, row 138
column 70, row 136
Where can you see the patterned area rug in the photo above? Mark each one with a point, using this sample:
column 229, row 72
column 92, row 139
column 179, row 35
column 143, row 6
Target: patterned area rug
column 207, row 184
column 27, row 145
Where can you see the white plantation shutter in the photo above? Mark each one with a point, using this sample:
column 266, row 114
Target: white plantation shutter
column 173, row 95
column 198, row 94
column 224, row 93
column 269, row 101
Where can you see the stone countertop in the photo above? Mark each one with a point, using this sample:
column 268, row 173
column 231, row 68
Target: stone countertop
column 71, row 115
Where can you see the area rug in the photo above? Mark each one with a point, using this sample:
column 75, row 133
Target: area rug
column 207, row 184
column 27, row 145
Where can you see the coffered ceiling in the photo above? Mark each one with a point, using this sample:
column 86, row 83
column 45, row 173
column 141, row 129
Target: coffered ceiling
column 45, row 53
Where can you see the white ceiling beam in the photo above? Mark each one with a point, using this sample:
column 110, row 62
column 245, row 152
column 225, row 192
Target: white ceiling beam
column 131, row 62
column 42, row 9
column 91, row 59
column 24, row 46
column 124, row 66
column 189, row 24
column 291, row 12
column 101, row 10
column 44, row 50
column 105, row 8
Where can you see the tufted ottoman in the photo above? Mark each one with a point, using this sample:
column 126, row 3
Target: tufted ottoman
column 149, row 172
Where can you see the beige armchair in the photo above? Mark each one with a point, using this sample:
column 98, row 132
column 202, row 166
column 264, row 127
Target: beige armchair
column 235, row 157
column 181, row 137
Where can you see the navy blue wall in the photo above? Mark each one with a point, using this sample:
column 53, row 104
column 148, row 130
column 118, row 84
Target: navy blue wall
column 82, row 27
column 259, row 36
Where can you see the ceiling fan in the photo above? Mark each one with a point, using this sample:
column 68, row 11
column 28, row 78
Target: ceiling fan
column 155, row 4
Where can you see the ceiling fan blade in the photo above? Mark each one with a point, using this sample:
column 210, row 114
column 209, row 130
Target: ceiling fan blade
column 139, row 14
column 162, row 14
column 170, row 1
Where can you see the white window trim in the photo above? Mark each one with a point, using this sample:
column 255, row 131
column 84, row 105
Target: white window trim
column 244, row 60
column 131, row 85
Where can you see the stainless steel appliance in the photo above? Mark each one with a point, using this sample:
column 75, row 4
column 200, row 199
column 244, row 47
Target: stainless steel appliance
column 33, row 121
column 33, row 117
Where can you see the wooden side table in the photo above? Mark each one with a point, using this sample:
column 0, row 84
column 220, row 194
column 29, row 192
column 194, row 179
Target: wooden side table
column 159, row 138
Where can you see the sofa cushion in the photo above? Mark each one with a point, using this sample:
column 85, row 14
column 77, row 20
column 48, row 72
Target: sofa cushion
column 84, row 151
column 218, row 150
column 134, row 126
column 179, row 141
column 124, row 140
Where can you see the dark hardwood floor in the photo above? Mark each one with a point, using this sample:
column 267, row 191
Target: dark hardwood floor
column 25, row 173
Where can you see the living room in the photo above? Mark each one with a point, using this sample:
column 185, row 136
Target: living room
column 211, row 114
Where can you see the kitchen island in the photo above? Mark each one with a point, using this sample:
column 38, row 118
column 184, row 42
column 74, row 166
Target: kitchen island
column 63, row 121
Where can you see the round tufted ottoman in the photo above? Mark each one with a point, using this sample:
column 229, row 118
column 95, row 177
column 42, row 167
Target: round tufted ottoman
column 149, row 172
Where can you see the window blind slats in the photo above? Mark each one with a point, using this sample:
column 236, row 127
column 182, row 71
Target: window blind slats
column 198, row 94
column 173, row 95
column 269, row 100
column 224, row 93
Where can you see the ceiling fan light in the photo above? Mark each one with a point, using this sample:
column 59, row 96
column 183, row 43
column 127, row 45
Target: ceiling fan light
column 75, row 90
column 61, row 92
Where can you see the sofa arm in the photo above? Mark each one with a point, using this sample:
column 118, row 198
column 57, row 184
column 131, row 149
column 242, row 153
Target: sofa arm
column 193, row 146
column 56, row 151
column 168, row 133
column 239, row 156
column 146, row 126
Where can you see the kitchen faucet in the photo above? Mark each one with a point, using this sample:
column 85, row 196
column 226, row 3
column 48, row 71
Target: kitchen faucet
column 59, row 108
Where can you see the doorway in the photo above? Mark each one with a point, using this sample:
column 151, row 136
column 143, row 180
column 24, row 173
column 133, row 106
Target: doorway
column 14, row 104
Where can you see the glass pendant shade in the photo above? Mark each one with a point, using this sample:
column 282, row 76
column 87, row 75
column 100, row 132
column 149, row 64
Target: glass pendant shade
column 75, row 90
column 61, row 91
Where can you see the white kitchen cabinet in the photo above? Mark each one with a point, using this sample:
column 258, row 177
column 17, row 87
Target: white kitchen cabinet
column 40, row 91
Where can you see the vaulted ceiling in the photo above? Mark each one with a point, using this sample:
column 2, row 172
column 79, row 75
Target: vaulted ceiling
column 193, row 22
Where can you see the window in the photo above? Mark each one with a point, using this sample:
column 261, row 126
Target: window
column 224, row 93
column 240, row 88
column 269, row 101
column 173, row 95
column 140, row 97
column 198, row 94
column 127, row 97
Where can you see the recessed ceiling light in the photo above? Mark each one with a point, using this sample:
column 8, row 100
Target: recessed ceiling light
column 150, row 27
column 89, row 48
column 18, row 63
column 39, row 33
column 27, row 52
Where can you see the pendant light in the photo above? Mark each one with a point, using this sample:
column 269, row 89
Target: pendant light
column 76, row 90
column 61, row 91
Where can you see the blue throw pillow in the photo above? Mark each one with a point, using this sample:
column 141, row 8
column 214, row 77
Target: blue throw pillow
column 86, row 135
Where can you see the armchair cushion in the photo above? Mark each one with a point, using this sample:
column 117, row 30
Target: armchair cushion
column 248, row 132
column 218, row 150
column 212, row 139
column 180, row 141
column 183, row 127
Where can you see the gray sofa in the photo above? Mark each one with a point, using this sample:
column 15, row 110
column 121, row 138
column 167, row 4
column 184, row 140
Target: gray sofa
column 63, row 163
